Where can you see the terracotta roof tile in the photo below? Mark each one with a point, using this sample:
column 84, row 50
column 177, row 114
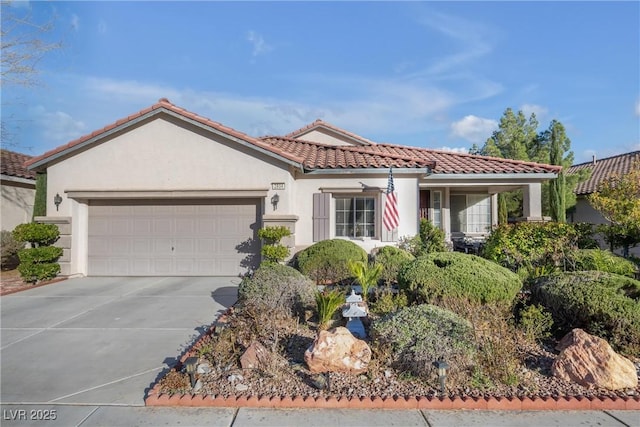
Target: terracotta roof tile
column 12, row 164
column 314, row 156
column 603, row 169
column 448, row 162
column 321, row 123
column 164, row 104
column 325, row 156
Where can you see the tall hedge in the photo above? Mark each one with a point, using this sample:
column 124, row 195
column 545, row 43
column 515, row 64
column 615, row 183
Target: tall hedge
column 39, row 261
column 459, row 275
column 603, row 304
column 40, row 201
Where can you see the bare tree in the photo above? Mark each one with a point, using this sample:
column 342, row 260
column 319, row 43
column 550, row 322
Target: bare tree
column 23, row 43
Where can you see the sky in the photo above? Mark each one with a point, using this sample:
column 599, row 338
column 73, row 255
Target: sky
column 428, row 74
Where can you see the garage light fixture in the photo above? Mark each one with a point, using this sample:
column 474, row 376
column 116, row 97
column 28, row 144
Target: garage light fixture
column 274, row 201
column 57, row 200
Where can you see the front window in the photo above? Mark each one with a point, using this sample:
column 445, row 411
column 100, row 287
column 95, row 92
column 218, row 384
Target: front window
column 470, row 213
column 355, row 216
column 437, row 209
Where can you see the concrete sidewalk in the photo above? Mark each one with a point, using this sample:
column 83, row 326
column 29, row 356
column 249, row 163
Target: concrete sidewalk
column 75, row 415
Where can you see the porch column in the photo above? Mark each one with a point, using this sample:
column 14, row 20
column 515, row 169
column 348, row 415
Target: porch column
column 494, row 210
column 532, row 202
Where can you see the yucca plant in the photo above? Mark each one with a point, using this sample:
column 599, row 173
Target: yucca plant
column 367, row 275
column 327, row 303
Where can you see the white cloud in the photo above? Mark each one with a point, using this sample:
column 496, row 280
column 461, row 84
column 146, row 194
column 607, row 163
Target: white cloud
column 638, row 107
column 538, row 110
column 259, row 45
column 474, row 129
column 75, row 22
column 58, row 126
column 462, row 150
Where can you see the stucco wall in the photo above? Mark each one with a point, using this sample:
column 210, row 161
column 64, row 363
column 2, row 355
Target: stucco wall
column 325, row 136
column 16, row 205
column 161, row 155
column 406, row 189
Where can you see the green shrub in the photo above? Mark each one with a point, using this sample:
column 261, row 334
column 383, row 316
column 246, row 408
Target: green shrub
column 603, row 304
column 278, row 289
column 39, row 255
column 428, row 240
column 415, row 336
column 327, row 261
column 272, row 249
column 530, row 244
column 366, row 275
column 535, row 322
column 458, row 275
column 386, row 302
column 391, row 259
column 37, row 234
column 32, row 273
column 585, row 232
column 10, row 247
column 599, row 260
column 327, row 303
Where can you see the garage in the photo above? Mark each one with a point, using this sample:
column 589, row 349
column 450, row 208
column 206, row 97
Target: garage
column 172, row 238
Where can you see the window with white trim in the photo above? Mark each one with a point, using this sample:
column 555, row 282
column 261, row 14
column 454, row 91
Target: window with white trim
column 470, row 213
column 355, row 216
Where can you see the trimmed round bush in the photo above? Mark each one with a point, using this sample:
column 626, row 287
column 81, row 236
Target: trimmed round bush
column 9, row 247
column 603, row 304
column 278, row 289
column 600, row 260
column 418, row 335
column 392, row 260
column 328, row 261
column 458, row 275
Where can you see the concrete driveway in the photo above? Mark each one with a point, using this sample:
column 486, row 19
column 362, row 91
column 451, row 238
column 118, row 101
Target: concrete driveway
column 102, row 340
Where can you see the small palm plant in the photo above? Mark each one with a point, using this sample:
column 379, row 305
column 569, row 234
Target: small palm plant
column 327, row 303
column 367, row 275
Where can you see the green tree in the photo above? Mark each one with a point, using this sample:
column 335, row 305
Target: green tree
column 515, row 138
column 558, row 145
column 618, row 200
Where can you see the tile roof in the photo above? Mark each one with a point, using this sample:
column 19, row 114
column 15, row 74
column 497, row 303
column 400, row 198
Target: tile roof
column 165, row 105
column 318, row 123
column 12, row 164
column 603, row 169
column 326, row 156
column 448, row 162
column 314, row 156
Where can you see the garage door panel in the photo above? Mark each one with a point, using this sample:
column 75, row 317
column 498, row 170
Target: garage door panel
column 165, row 238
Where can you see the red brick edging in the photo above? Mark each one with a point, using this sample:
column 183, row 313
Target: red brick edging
column 488, row 403
column 564, row 403
column 48, row 282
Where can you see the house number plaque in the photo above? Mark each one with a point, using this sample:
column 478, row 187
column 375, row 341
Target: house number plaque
column 277, row 185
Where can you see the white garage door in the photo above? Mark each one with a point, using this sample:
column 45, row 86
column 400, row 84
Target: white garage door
column 163, row 238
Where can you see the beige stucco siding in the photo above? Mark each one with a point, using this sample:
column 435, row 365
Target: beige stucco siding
column 406, row 189
column 163, row 156
column 326, row 137
column 17, row 204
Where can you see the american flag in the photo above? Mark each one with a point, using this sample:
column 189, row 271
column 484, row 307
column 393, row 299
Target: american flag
column 391, row 219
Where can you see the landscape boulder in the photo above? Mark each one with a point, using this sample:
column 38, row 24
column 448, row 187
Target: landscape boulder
column 591, row 362
column 256, row 356
column 337, row 350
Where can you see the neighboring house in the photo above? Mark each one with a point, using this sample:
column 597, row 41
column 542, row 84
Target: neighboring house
column 18, row 186
column 167, row 192
column 601, row 170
